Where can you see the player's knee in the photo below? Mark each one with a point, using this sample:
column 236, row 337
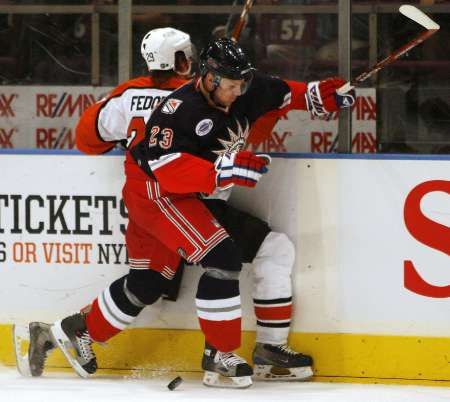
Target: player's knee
column 225, row 256
column 145, row 285
column 277, row 252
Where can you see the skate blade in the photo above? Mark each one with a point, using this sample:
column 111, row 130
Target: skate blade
column 263, row 372
column 21, row 338
column 212, row 379
column 64, row 344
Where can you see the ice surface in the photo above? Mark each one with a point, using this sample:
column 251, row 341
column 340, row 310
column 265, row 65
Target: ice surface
column 67, row 387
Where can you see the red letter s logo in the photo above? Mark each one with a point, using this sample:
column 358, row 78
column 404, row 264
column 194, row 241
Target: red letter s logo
column 428, row 232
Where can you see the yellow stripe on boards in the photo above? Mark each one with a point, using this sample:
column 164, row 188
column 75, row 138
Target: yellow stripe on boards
column 377, row 356
column 337, row 357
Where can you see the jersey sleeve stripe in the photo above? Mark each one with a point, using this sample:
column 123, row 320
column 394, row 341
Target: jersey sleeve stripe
column 163, row 160
column 287, row 100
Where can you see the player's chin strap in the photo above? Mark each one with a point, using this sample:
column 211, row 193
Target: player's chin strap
column 216, row 82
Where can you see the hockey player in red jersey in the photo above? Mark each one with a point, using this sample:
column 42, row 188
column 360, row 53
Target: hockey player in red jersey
column 194, row 145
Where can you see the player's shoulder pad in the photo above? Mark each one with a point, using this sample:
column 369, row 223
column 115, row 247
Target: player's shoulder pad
column 265, row 85
column 184, row 101
column 262, row 79
column 139, row 82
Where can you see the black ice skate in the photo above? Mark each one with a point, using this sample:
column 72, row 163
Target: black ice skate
column 72, row 337
column 225, row 369
column 30, row 361
column 279, row 362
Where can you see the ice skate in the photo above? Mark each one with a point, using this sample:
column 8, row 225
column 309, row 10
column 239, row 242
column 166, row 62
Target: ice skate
column 32, row 345
column 225, row 369
column 279, row 362
column 72, row 337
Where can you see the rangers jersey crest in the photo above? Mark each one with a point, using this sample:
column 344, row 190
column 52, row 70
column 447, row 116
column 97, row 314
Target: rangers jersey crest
column 236, row 141
column 171, row 106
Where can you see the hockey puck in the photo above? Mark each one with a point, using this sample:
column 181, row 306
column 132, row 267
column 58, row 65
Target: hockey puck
column 174, row 383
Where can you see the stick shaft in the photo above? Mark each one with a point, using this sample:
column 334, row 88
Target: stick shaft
column 388, row 60
column 393, row 56
column 241, row 22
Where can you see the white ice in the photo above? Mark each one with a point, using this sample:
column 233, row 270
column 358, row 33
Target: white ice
column 66, row 387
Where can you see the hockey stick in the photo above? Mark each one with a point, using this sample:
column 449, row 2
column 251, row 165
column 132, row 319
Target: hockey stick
column 414, row 14
column 242, row 21
column 227, row 25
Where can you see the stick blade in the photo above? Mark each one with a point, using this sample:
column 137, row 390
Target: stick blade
column 419, row 16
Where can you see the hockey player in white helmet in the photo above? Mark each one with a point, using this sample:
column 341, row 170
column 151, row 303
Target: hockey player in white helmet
column 159, row 48
column 168, row 54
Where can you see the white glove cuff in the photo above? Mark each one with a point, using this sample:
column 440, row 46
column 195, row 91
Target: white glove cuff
column 314, row 99
column 224, row 167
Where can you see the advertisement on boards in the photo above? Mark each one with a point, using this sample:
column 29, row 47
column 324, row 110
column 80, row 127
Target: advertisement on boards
column 46, row 117
column 43, row 117
column 371, row 237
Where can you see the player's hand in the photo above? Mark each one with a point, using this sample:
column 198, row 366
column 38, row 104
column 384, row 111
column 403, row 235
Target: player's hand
column 323, row 98
column 242, row 168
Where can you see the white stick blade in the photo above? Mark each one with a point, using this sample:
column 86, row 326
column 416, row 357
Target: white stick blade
column 419, row 16
column 21, row 338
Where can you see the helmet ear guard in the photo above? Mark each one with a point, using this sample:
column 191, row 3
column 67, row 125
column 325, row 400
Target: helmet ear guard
column 216, row 80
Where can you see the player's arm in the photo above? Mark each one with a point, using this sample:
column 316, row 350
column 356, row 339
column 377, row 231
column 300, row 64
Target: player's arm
column 172, row 153
column 87, row 137
column 276, row 97
column 181, row 172
column 168, row 151
column 271, row 98
column 102, row 125
column 186, row 173
column 172, row 156
column 285, row 95
column 318, row 97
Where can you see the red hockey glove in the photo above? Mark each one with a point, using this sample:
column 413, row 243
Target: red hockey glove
column 242, row 168
column 322, row 97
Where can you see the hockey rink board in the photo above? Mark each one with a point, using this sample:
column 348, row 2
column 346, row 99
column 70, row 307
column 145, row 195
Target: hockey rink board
column 371, row 280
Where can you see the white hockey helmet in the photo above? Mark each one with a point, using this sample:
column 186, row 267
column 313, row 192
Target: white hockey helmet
column 159, row 46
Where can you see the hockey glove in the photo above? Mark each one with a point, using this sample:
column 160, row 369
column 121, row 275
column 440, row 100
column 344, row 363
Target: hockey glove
column 322, row 97
column 242, row 168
